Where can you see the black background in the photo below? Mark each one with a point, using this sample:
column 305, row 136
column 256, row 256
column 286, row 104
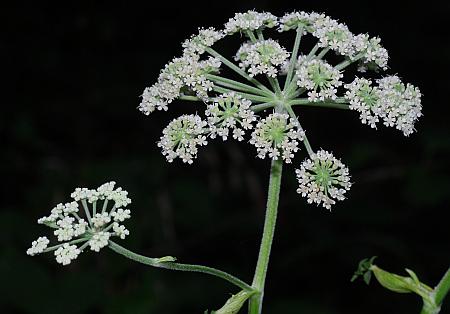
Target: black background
column 73, row 74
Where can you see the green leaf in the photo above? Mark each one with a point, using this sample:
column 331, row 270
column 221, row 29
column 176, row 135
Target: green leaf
column 165, row 259
column 364, row 270
column 234, row 304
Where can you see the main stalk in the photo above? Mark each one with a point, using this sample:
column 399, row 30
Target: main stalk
column 255, row 303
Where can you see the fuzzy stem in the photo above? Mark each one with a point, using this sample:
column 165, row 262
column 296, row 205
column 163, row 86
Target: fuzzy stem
column 189, row 98
column 86, row 211
column 305, row 139
column 275, row 85
column 261, row 107
column 442, row 288
column 293, row 60
column 244, row 95
column 160, row 263
column 260, row 34
column 251, row 36
column 237, row 85
column 255, row 304
column 235, row 68
column 327, row 104
column 347, row 62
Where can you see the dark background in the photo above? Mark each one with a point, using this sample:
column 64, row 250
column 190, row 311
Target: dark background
column 72, row 80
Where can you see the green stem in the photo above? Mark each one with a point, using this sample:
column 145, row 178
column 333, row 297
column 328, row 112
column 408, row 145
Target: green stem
column 442, row 288
column 244, row 95
column 235, row 68
column 161, row 263
column 261, row 107
column 251, row 36
column 323, row 53
column 52, row 248
column 260, row 34
column 305, row 139
column 259, row 278
column 349, row 61
column 275, row 84
column 326, row 104
column 237, row 85
column 294, row 55
column 189, row 98
column 86, row 211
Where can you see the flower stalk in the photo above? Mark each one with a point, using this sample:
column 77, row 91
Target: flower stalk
column 168, row 262
column 255, row 304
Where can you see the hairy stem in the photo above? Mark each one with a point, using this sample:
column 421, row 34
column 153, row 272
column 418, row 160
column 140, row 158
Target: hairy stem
column 237, row 85
column 244, row 95
column 442, row 288
column 326, row 104
column 259, row 278
column 189, row 98
column 235, row 68
column 261, row 107
column 293, row 60
column 167, row 263
column 305, row 139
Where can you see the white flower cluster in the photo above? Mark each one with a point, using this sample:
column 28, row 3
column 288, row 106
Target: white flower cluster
column 38, row 246
column 277, row 136
column 186, row 73
column 94, row 230
column 206, row 37
column 319, row 77
column 182, row 136
column 363, row 97
column 323, row 179
column 392, row 101
column 373, row 54
column 400, row 104
column 336, row 36
column 230, row 112
column 296, row 19
column 250, row 21
column 262, row 57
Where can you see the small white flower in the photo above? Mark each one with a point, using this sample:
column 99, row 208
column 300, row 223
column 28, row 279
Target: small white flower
column 84, row 194
column 399, row 104
column 66, row 253
column 120, row 230
column 121, row 214
column 230, row 112
column 319, row 77
column 374, row 55
column 38, row 246
column 206, row 37
column 334, row 35
column 65, row 231
column 250, row 21
column 182, row 136
column 99, row 220
column 393, row 102
column 105, row 190
column 262, row 57
column 323, row 179
column 80, row 228
column 364, row 98
column 299, row 19
column 277, row 136
column 70, row 208
column 71, row 228
column 184, row 72
column 99, row 240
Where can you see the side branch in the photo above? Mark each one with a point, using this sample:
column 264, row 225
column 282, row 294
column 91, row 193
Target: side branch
column 167, row 263
column 235, row 68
